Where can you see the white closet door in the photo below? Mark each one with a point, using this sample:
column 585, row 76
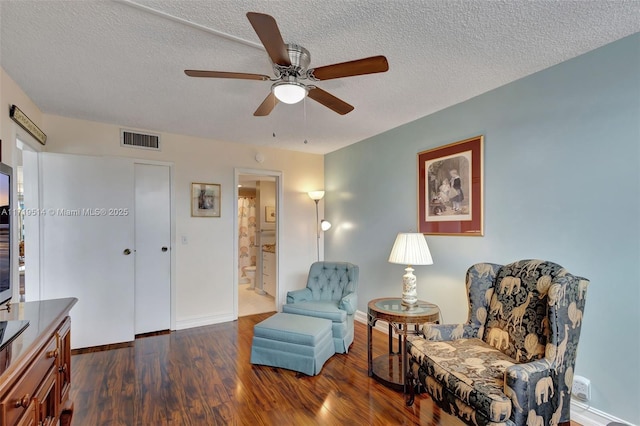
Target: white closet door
column 153, row 255
column 87, row 227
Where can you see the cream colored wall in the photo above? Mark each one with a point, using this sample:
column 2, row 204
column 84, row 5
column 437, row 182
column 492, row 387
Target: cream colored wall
column 12, row 94
column 204, row 266
column 267, row 198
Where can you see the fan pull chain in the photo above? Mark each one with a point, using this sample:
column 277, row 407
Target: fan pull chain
column 304, row 112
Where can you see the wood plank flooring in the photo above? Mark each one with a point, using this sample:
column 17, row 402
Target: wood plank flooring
column 202, row 376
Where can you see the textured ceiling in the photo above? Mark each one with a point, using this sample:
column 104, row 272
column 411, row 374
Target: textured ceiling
column 113, row 62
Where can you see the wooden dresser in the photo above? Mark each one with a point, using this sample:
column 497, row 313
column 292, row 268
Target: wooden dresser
column 35, row 369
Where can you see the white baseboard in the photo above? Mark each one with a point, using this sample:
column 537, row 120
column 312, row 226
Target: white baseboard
column 580, row 412
column 191, row 322
column 588, row 416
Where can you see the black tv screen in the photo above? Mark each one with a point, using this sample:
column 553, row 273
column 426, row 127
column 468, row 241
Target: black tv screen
column 6, row 288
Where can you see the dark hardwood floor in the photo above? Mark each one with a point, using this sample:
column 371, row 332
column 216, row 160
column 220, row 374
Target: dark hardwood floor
column 202, row 376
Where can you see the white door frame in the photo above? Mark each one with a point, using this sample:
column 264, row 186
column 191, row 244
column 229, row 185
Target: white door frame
column 279, row 213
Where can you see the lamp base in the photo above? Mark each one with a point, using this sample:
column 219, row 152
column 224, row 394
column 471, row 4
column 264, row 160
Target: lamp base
column 409, row 288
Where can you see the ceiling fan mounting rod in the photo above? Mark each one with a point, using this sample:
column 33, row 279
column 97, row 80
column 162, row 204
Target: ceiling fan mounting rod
column 191, row 24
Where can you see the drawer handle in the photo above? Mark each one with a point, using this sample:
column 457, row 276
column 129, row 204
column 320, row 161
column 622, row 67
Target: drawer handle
column 23, row 402
column 63, row 368
column 52, row 354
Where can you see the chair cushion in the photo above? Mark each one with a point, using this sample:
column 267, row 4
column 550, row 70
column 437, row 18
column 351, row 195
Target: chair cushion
column 469, row 368
column 320, row 309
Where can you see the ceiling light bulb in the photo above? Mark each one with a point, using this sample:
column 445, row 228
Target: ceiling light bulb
column 289, row 92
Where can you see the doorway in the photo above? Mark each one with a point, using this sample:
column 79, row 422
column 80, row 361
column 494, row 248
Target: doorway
column 19, row 218
column 27, row 192
column 257, row 213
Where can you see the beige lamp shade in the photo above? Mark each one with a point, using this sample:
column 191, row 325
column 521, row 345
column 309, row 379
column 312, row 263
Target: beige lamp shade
column 410, row 249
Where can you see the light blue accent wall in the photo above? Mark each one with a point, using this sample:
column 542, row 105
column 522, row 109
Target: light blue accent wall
column 561, row 183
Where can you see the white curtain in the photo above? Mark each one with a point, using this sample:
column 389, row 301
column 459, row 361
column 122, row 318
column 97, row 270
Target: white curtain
column 247, row 233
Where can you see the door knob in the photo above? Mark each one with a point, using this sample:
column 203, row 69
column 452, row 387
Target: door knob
column 164, row 249
column 126, row 252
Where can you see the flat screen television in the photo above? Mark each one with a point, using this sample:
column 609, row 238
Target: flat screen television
column 6, row 219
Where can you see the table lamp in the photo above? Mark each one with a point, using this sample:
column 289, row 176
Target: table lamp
column 410, row 249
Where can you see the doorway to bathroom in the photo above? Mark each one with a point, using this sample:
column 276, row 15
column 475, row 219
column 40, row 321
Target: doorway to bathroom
column 257, row 228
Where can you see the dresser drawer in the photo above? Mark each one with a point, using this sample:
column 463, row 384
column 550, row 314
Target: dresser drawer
column 18, row 399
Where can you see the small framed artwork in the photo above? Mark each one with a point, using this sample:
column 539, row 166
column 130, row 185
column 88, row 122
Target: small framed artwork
column 450, row 186
column 269, row 214
column 205, row 200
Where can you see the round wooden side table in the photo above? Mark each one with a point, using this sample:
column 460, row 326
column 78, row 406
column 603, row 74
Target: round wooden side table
column 391, row 369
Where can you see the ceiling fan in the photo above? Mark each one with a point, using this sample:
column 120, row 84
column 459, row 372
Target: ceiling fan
column 290, row 65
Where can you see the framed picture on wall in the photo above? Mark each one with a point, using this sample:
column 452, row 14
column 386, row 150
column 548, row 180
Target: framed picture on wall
column 269, row 214
column 450, row 186
column 205, row 200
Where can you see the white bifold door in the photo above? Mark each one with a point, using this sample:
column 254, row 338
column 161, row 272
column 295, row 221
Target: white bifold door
column 104, row 224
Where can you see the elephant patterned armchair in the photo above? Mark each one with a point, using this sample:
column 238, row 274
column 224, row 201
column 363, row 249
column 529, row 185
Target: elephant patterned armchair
column 512, row 362
column 331, row 294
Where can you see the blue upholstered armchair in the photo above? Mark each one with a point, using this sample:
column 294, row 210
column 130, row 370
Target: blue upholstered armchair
column 331, row 294
column 512, row 362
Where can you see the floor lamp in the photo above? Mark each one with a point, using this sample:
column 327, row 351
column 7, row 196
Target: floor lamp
column 321, row 225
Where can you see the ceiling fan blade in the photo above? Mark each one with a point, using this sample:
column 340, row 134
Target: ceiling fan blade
column 223, row 74
column 330, row 101
column 363, row 66
column 267, row 29
column 266, row 106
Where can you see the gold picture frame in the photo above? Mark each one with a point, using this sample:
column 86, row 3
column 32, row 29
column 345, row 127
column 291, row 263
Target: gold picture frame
column 205, row 199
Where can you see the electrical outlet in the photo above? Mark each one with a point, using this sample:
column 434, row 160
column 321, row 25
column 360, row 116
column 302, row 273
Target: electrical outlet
column 581, row 388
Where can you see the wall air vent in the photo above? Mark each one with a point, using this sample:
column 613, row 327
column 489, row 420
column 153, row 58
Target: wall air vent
column 133, row 139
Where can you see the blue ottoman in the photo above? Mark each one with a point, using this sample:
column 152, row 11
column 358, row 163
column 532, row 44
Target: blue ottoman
column 294, row 342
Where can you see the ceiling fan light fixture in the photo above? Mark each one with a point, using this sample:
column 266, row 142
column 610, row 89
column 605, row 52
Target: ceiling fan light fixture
column 289, row 92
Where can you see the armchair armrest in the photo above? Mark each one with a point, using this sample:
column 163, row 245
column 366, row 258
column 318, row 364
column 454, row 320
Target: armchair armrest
column 301, row 295
column 444, row 332
column 349, row 303
column 527, row 385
